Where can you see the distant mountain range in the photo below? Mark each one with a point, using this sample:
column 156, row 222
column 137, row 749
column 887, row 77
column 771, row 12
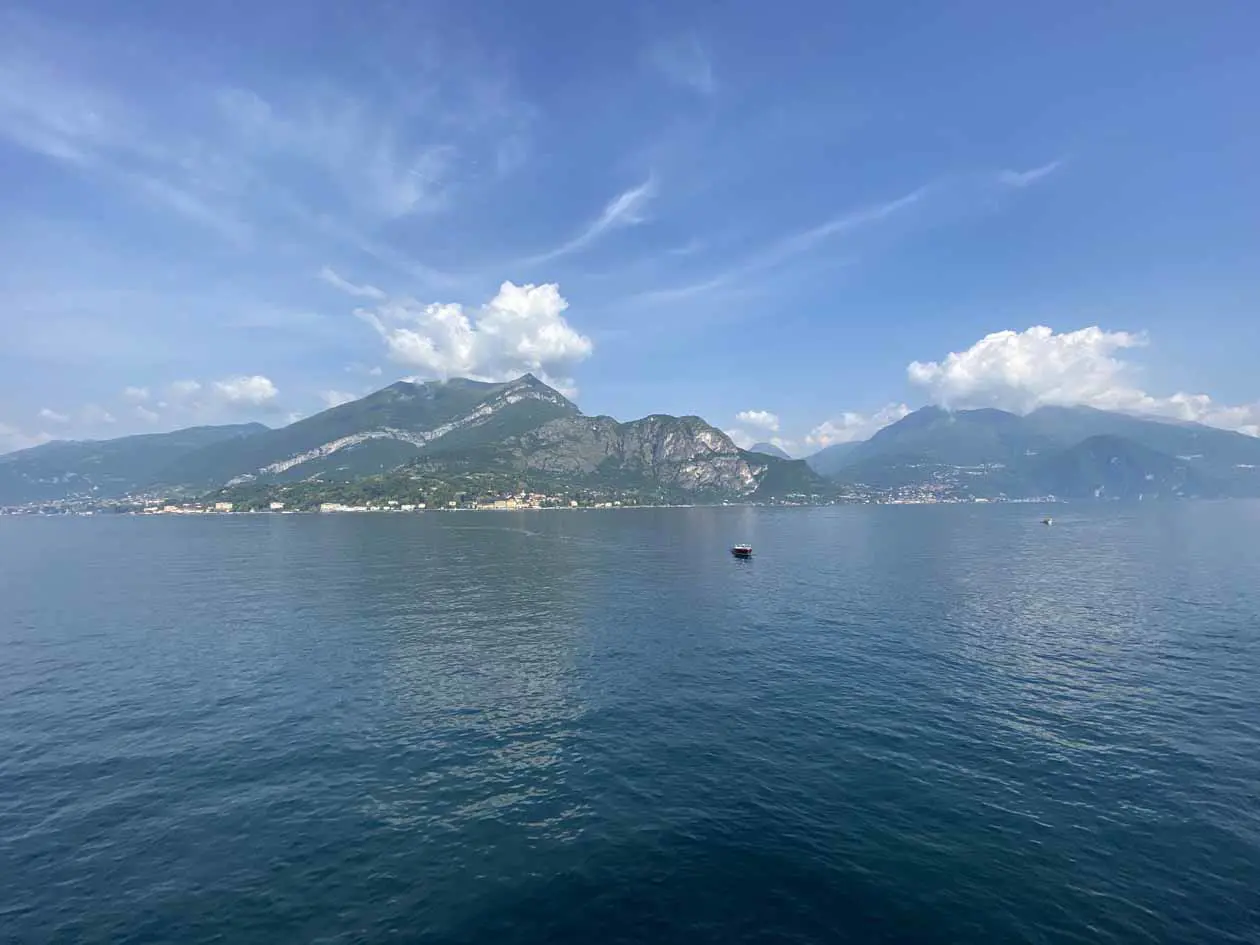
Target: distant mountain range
column 104, row 468
column 1068, row 452
column 525, row 433
column 768, row 449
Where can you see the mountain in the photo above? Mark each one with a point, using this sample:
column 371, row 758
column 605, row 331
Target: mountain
column 1114, row 467
column 477, row 434
column 768, row 449
column 1057, row 450
column 831, row 459
column 106, row 468
column 668, row 455
column 953, row 437
column 462, row 436
column 379, row 432
column 1219, row 454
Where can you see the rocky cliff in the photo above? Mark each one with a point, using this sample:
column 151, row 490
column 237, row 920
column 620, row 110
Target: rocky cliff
column 675, row 452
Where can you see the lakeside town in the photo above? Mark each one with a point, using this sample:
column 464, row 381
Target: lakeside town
column 149, row 505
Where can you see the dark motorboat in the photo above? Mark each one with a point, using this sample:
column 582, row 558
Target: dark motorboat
column 742, row 551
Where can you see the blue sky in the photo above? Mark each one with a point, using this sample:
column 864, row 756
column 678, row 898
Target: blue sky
column 815, row 215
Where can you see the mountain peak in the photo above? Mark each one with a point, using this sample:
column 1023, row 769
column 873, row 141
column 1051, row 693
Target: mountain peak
column 768, row 449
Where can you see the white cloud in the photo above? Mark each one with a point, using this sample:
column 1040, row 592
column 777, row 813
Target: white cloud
column 135, row 394
column 374, row 159
column 308, row 155
column 13, row 439
column 335, row 398
column 375, row 371
column 787, row 248
column 182, row 390
column 253, row 390
column 53, row 416
column 685, row 62
column 1023, row 370
column 521, row 329
column 337, row 282
column 147, row 415
column 94, row 414
column 761, row 419
column 745, row 439
column 851, row 426
column 805, row 240
column 626, row 209
column 1025, row 178
column 788, row 446
column 1020, row 371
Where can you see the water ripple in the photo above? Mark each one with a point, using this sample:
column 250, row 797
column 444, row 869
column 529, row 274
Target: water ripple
column 893, row 725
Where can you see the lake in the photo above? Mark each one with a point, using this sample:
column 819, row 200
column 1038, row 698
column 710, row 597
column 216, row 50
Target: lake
column 893, row 724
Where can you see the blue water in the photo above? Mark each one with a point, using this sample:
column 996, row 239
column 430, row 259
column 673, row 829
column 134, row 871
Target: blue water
column 924, row 724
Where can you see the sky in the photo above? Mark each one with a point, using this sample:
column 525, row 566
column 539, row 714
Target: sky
column 798, row 220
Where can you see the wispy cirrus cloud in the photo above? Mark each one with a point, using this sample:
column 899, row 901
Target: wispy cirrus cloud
column 626, row 209
column 386, row 169
column 685, row 62
column 802, row 242
column 788, row 247
column 1012, row 178
column 330, row 277
column 237, row 159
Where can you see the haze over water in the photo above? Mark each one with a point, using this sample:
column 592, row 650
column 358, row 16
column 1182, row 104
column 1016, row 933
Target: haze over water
column 923, row 724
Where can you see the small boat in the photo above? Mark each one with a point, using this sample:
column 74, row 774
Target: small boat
column 742, row 551
column 1047, row 520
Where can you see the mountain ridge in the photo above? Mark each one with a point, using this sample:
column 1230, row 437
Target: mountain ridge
column 459, row 427
column 526, row 432
column 104, row 468
column 768, row 449
column 995, row 452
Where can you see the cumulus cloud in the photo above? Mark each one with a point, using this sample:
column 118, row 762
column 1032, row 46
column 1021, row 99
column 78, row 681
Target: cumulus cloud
column 521, row 329
column 135, row 395
column 851, row 426
column 53, row 416
column 95, row 414
column 184, row 389
column 190, row 401
column 251, row 391
column 1020, row 371
column 761, row 419
column 1024, row 370
column 335, row 398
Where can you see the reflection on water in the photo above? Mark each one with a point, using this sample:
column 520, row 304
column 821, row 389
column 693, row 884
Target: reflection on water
column 892, row 724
